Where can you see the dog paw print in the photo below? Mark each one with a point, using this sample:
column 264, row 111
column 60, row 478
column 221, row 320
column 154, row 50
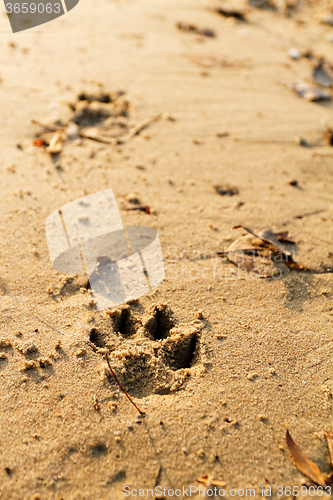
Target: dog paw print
column 150, row 351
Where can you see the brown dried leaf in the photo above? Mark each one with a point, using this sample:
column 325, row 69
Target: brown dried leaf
column 268, row 237
column 303, row 463
column 208, row 480
column 249, row 253
column 329, row 478
column 309, row 92
column 329, row 439
column 271, row 239
column 283, row 236
column 322, row 76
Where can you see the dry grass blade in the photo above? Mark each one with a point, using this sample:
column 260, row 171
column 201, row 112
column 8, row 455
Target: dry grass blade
column 329, row 478
column 121, row 387
column 138, row 128
column 303, row 463
column 321, row 76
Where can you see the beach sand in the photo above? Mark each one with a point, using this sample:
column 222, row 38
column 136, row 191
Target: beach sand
column 240, row 356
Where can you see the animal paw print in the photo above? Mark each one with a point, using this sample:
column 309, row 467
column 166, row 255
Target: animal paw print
column 150, row 351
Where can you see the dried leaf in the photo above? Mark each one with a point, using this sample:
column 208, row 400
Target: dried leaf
column 283, row 236
column 309, row 92
column 329, row 439
column 249, row 253
column 56, row 144
column 271, row 239
column 329, row 478
column 321, row 76
column 303, row 463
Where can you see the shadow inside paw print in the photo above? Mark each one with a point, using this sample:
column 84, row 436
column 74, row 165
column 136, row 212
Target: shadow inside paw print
column 150, row 352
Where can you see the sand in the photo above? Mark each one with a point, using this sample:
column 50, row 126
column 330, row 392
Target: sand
column 219, row 360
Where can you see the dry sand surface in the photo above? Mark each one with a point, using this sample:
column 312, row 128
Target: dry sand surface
column 218, row 359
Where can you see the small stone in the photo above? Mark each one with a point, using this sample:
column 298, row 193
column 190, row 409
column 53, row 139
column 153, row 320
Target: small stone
column 133, row 198
column 294, row 54
column 301, row 142
column 262, row 418
column 293, row 182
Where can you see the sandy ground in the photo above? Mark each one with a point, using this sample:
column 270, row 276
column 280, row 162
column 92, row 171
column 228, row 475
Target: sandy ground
column 258, row 352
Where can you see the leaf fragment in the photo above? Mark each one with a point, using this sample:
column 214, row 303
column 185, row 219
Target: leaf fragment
column 303, row 463
column 322, row 76
column 329, row 439
column 309, row 92
column 56, row 144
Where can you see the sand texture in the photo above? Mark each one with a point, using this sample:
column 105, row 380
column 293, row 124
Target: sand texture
column 202, row 133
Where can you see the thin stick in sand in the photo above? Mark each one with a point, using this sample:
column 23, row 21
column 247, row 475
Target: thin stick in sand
column 121, row 387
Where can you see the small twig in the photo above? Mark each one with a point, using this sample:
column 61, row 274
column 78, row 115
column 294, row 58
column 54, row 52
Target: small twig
column 98, row 138
column 50, row 128
column 121, row 387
